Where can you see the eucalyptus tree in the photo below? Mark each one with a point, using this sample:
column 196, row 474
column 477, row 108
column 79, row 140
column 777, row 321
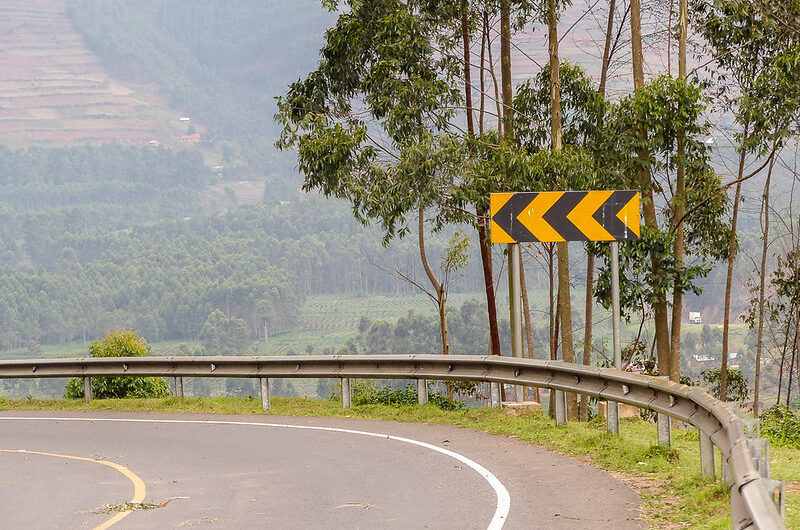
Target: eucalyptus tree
column 666, row 110
column 379, row 122
column 757, row 53
column 580, row 115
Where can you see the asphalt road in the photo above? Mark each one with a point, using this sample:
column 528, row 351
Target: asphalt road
column 275, row 472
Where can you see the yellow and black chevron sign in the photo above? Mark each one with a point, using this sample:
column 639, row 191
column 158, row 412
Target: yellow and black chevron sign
column 553, row 216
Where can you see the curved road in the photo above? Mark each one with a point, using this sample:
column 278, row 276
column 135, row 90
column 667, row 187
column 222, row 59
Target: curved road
column 59, row 469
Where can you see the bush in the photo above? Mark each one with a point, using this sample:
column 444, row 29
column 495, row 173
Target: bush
column 369, row 393
column 782, row 426
column 737, row 384
column 119, row 343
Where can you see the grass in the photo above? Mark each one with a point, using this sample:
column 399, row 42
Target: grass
column 673, row 492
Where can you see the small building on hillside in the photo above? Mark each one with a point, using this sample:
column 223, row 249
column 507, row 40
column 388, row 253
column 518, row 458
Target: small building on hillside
column 191, row 138
column 695, row 318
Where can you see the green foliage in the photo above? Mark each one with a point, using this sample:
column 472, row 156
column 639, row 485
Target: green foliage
column 664, row 107
column 119, row 343
column 223, row 335
column 781, row 425
column 370, row 393
column 758, row 53
column 737, row 384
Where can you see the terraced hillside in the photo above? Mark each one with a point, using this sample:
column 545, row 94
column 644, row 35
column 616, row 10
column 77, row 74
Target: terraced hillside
column 54, row 90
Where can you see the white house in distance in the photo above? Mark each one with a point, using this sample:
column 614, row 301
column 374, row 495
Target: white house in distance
column 695, row 318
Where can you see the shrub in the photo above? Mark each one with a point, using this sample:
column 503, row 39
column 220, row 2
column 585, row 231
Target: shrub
column 782, row 426
column 370, row 393
column 119, row 343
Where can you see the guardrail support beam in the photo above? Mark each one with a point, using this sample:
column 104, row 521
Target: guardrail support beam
column 179, row 387
column 725, row 472
column 347, row 396
column 561, row 406
column 494, row 396
column 664, row 430
column 422, row 391
column 612, row 417
column 265, row 401
column 707, row 461
column 87, row 389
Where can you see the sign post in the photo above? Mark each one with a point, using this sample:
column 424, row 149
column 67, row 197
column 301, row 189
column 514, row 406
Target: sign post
column 559, row 216
column 515, row 300
column 612, row 407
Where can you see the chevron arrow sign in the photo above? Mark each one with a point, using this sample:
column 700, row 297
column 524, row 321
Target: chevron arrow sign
column 554, row 216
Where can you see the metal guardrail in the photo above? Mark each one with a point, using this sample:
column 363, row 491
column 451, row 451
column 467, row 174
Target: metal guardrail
column 752, row 505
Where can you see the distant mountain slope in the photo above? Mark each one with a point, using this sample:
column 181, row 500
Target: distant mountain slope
column 54, row 90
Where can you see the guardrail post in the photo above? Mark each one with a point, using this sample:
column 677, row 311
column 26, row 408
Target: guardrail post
column 179, row 387
column 561, row 406
column 663, row 421
column 265, row 401
column 347, row 396
column 494, row 396
column 759, row 451
column 752, row 427
column 87, row 389
column 422, row 391
column 725, row 472
column 773, row 487
column 612, row 417
column 707, row 462
column 664, row 430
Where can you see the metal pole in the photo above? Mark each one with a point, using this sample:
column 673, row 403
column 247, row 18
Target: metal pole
column 561, row 406
column 265, row 399
column 87, row 389
column 179, row 387
column 612, row 406
column 422, row 391
column 707, row 462
column 494, row 396
column 515, row 301
column 346, row 395
column 725, row 472
column 664, row 424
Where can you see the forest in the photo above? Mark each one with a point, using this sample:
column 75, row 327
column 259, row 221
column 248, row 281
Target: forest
column 422, row 98
column 404, row 117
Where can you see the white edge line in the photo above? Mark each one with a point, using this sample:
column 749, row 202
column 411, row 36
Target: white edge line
column 503, row 497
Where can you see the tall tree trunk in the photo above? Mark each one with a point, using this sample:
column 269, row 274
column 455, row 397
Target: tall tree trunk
column 648, row 204
column 589, row 309
column 441, row 294
column 783, row 359
column 505, row 69
column 680, row 209
column 761, row 293
column 467, row 68
column 488, row 282
column 792, row 362
column 563, row 247
column 483, row 233
column 723, row 373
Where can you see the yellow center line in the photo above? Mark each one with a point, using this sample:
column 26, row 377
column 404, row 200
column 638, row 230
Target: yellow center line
column 139, row 489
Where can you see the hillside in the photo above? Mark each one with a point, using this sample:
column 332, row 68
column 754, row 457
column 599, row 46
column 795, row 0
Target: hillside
column 55, row 91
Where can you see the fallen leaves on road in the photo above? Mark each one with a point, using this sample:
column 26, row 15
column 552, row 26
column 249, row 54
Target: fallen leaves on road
column 130, row 506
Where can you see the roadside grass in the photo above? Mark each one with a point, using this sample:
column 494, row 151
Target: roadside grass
column 669, row 482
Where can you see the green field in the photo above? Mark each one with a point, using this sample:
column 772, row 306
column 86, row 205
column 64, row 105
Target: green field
column 327, row 321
